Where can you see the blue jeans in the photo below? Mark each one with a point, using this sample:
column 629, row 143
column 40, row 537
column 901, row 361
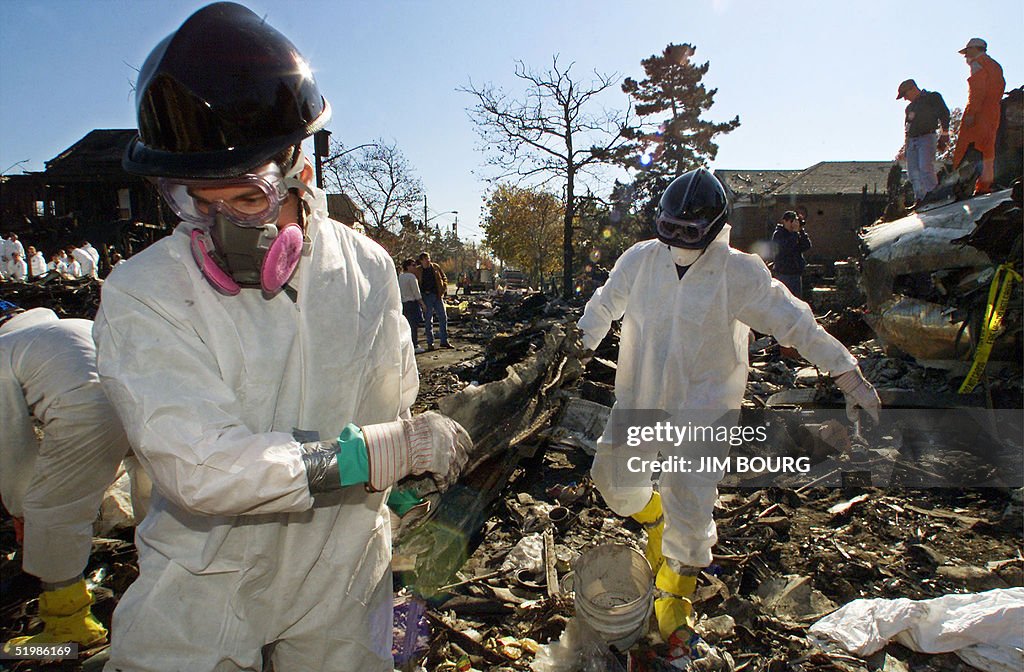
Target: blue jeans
column 795, row 283
column 921, row 164
column 435, row 306
column 413, row 314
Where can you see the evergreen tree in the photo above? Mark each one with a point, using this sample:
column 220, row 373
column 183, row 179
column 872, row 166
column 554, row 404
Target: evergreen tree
column 672, row 138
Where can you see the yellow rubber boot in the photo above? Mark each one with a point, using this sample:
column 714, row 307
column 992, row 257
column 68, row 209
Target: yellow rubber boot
column 674, row 610
column 67, row 617
column 653, row 520
column 672, row 614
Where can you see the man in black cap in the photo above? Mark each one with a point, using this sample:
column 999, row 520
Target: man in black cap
column 926, row 111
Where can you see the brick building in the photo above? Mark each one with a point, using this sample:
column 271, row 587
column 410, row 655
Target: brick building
column 837, row 198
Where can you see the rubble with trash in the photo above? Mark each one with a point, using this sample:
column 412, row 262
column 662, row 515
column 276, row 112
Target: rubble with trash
column 786, row 557
column 78, row 297
column 834, row 573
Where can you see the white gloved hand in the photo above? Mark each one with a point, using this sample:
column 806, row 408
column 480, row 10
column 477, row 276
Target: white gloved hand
column 429, row 442
column 859, row 393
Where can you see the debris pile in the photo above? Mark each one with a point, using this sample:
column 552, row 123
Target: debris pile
column 928, row 278
column 786, row 557
column 484, row 571
column 68, row 298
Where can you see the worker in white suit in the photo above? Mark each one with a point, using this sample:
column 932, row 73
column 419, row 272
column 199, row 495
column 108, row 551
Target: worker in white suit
column 261, row 365
column 687, row 302
column 83, row 254
column 54, row 487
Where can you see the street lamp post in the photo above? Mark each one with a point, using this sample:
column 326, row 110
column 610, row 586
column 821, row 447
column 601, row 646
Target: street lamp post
column 321, row 150
column 13, row 165
column 432, row 218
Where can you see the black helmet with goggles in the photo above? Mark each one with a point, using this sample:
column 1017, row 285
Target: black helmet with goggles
column 693, row 210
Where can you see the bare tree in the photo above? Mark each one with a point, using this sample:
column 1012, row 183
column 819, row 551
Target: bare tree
column 551, row 134
column 378, row 178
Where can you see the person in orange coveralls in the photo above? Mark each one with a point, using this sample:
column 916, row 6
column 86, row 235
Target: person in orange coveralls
column 981, row 116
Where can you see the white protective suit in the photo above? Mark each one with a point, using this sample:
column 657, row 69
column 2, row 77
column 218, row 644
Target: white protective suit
column 683, row 348
column 234, row 553
column 48, row 371
column 37, row 265
column 85, row 260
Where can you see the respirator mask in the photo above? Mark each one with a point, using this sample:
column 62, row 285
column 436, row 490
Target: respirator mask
column 237, row 241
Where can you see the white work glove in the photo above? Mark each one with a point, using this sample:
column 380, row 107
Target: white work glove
column 429, row 442
column 859, row 393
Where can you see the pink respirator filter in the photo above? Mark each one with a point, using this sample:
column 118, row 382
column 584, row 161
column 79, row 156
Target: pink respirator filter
column 216, row 276
column 281, row 259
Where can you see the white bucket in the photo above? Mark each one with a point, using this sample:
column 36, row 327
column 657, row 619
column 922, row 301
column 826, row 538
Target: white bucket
column 614, row 589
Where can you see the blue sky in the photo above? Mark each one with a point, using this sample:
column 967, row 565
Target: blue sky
column 811, row 81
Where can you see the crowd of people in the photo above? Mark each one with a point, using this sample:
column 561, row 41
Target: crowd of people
column 25, row 264
column 927, row 122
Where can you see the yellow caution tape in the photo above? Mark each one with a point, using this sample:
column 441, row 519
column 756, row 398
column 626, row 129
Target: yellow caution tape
column 998, row 298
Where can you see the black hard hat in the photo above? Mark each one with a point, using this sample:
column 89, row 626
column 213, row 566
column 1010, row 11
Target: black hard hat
column 693, row 210
column 220, row 96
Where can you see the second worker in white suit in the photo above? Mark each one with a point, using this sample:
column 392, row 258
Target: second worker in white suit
column 687, row 302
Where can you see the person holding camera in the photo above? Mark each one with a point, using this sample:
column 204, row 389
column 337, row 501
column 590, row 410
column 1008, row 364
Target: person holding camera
column 790, row 241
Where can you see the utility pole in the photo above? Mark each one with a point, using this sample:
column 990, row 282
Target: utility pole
column 424, row 211
column 321, row 148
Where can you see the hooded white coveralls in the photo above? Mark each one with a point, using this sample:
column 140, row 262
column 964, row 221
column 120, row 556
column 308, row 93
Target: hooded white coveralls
column 234, row 554
column 48, row 370
column 683, row 348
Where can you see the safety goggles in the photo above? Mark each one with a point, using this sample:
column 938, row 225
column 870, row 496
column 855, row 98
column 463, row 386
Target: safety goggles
column 688, row 232
column 250, row 200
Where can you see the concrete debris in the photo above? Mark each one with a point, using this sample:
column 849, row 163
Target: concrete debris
column 975, row 579
column 717, row 628
column 116, row 508
column 528, row 554
column 792, row 597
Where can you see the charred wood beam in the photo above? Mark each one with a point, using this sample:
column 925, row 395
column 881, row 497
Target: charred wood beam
column 499, row 416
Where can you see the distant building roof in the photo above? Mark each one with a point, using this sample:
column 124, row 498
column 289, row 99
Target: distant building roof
column 754, row 182
column 341, row 208
column 99, row 151
column 823, row 178
column 838, row 177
